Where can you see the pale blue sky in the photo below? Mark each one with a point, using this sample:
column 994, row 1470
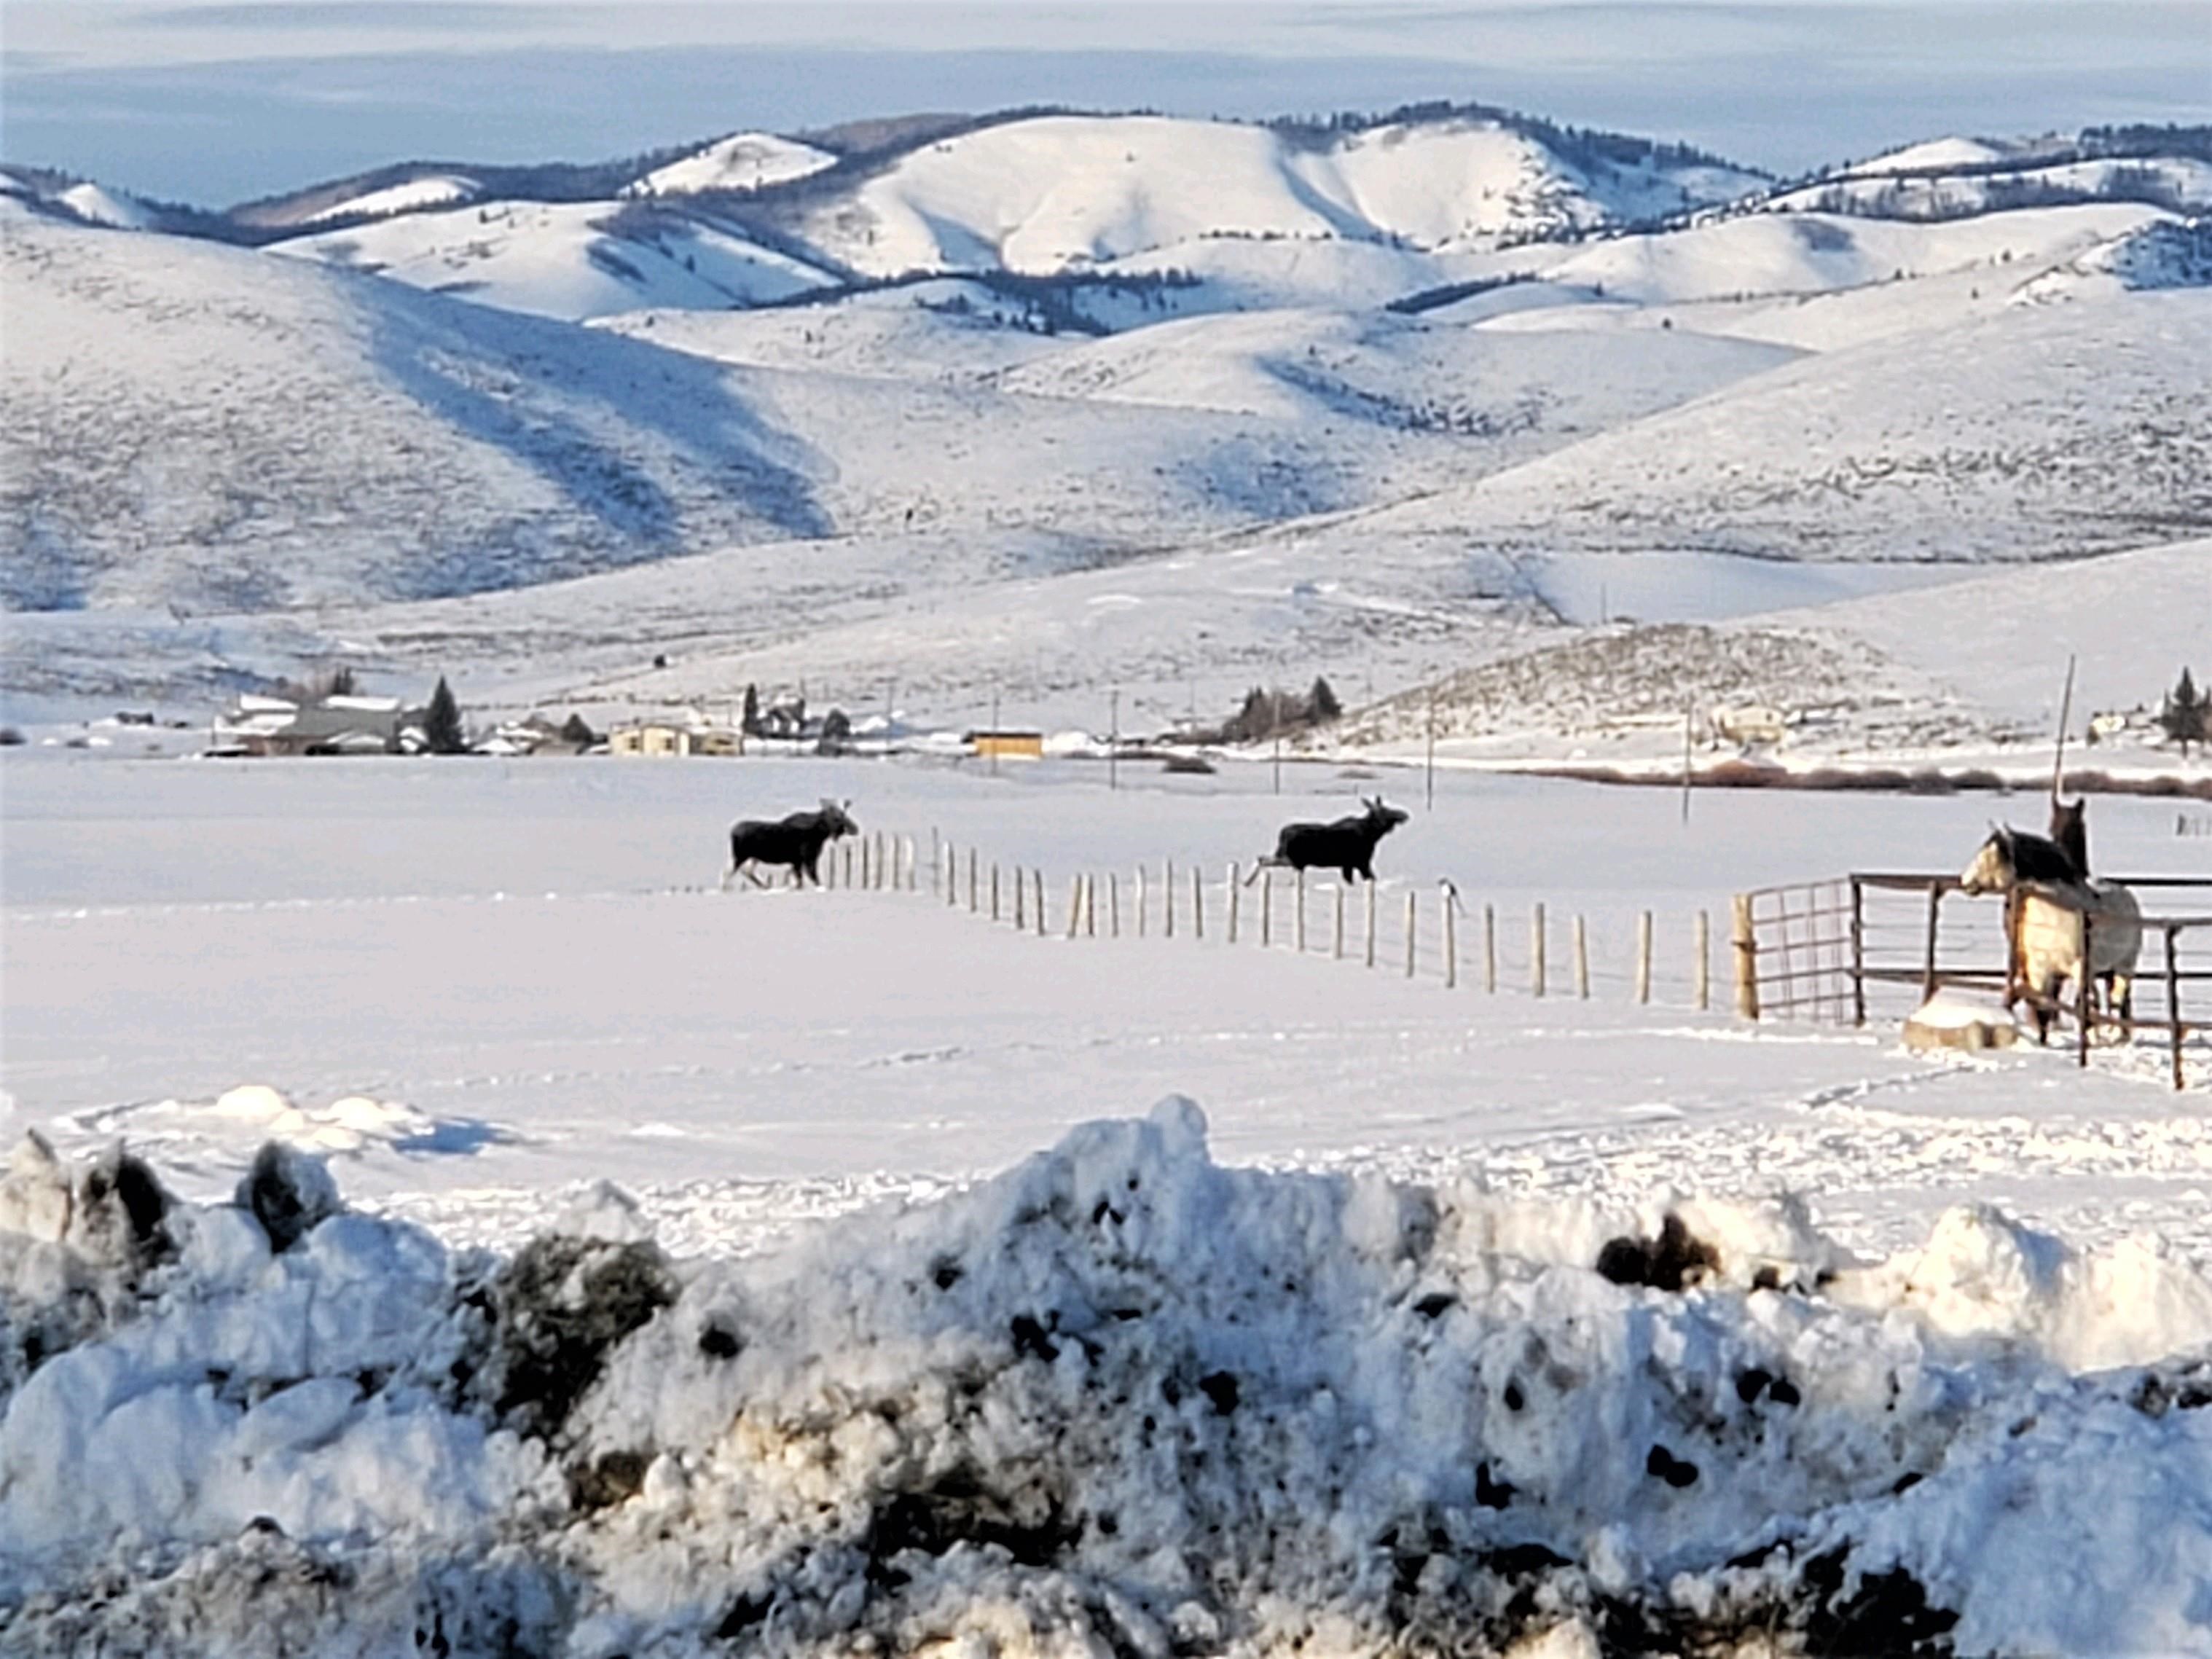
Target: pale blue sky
column 212, row 103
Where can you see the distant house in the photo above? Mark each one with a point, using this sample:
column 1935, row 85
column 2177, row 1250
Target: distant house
column 334, row 726
column 1752, row 725
column 671, row 737
column 1007, row 744
column 786, row 717
column 650, row 737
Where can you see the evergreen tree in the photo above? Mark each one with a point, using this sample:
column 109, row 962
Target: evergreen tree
column 2186, row 717
column 1321, row 704
column 576, row 730
column 749, row 722
column 441, row 722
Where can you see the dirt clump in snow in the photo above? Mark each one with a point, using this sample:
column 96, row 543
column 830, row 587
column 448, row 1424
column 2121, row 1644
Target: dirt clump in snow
column 552, row 1314
column 288, row 1191
column 1672, row 1262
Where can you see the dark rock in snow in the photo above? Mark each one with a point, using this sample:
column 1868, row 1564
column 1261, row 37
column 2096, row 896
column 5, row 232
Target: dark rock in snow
column 1677, row 1472
column 1031, row 1342
column 1491, row 1494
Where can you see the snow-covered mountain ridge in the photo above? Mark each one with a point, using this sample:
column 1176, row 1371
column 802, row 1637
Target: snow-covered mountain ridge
column 1161, row 400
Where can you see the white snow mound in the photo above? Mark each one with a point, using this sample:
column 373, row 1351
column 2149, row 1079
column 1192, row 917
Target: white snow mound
column 1119, row 1397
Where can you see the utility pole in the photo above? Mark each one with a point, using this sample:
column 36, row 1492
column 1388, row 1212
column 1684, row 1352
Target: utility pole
column 994, row 730
column 1279, row 762
column 1688, row 714
column 2065, row 711
column 1114, row 744
column 1431, row 782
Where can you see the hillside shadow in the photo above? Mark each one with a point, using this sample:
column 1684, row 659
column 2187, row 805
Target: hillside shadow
column 571, row 406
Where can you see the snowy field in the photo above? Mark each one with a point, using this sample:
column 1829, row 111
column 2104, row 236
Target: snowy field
column 1324, row 1367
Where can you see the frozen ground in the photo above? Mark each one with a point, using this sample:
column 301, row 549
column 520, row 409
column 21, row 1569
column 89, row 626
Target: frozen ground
column 1331, row 1372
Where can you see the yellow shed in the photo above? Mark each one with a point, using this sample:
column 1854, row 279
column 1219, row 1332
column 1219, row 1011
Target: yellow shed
column 1007, row 745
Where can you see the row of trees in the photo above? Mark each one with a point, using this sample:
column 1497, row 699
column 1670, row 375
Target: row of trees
column 1269, row 713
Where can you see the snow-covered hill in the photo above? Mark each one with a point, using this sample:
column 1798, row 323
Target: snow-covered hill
column 2180, row 183
column 78, row 199
column 275, row 433
column 2032, row 432
column 1053, row 192
column 431, row 190
column 743, row 162
column 1320, row 366
column 1801, row 254
column 949, row 328
column 572, row 260
column 279, row 433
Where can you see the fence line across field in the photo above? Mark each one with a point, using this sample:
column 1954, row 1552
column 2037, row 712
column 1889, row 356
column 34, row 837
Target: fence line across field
column 1818, row 949
column 1427, row 932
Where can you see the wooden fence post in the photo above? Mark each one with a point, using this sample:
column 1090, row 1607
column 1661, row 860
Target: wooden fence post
column 1142, row 924
column 1298, row 933
column 1858, row 952
column 1267, row 906
column 1371, row 923
column 1746, row 940
column 1412, row 917
column 1536, row 964
column 972, row 862
column 1038, row 883
column 1090, row 907
column 879, row 861
column 1167, row 902
column 1114, row 904
column 994, row 891
column 936, row 854
column 1451, row 938
column 1582, row 958
column 1490, row 949
column 864, row 862
column 847, row 847
column 2085, row 1005
column 1336, row 932
column 1702, row 973
column 1643, row 957
column 1021, row 909
column 951, row 876
column 2173, row 999
column 1928, row 969
column 1197, row 903
column 1235, row 892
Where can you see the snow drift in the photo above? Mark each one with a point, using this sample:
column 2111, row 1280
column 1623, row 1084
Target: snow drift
column 1119, row 1397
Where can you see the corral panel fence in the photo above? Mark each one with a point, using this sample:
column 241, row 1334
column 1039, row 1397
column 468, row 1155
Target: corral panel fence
column 1835, row 950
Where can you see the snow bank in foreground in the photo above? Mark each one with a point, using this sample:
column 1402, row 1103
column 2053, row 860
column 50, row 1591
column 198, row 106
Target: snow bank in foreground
column 1119, row 1399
